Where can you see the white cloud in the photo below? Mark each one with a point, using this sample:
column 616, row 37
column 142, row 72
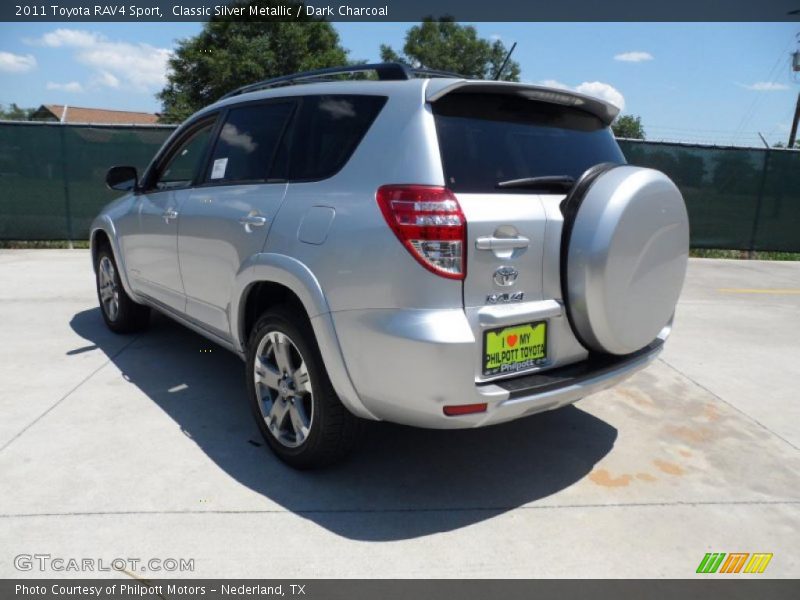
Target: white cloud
column 598, row 89
column 137, row 66
column 338, row 109
column 495, row 37
column 142, row 65
column 604, row 91
column 16, row 63
column 554, row 84
column 764, row 86
column 106, row 79
column 635, row 56
column 72, row 87
column 72, row 38
column 238, row 139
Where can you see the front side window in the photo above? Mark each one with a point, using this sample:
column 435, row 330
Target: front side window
column 247, row 143
column 183, row 164
column 328, row 130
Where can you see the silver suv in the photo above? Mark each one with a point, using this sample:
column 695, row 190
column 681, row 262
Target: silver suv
column 415, row 247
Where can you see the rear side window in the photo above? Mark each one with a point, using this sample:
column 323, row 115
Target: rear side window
column 328, row 130
column 247, row 142
column 488, row 138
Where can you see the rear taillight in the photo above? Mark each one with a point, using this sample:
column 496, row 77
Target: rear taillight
column 429, row 223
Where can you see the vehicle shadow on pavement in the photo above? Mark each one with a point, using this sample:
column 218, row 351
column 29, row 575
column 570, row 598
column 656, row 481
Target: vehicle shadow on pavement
column 401, row 482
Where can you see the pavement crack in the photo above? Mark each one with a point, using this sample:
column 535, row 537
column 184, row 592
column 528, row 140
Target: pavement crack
column 68, row 394
column 324, row 511
column 721, row 399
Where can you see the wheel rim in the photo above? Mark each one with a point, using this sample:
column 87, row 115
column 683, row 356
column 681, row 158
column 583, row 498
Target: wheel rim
column 107, row 287
column 283, row 389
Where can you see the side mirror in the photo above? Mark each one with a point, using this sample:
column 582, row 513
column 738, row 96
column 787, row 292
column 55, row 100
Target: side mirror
column 123, row 179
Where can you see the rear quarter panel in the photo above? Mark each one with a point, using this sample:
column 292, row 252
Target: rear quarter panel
column 361, row 264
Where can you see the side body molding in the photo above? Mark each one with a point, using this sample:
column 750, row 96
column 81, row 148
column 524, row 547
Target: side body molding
column 291, row 273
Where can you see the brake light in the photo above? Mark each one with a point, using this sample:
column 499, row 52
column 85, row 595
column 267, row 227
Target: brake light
column 428, row 221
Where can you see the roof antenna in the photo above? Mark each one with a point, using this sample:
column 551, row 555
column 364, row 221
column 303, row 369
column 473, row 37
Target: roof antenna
column 505, row 62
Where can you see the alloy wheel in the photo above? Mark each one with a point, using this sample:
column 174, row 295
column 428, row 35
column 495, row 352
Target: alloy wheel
column 107, row 287
column 283, row 387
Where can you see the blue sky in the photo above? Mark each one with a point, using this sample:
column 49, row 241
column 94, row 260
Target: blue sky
column 703, row 82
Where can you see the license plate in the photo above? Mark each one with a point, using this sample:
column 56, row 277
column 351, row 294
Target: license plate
column 514, row 349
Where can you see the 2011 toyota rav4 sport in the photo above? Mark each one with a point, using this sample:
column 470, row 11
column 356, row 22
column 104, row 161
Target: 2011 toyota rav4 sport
column 418, row 248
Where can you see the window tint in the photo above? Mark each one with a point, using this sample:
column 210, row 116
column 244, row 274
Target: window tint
column 488, row 138
column 247, row 141
column 185, row 161
column 328, row 130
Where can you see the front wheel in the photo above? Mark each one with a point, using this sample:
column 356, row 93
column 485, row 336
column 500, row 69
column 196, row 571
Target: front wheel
column 292, row 398
column 120, row 312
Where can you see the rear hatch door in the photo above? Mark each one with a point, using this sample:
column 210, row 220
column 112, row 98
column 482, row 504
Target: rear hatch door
column 510, row 159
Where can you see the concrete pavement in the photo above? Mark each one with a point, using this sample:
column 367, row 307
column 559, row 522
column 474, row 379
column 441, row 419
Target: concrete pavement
column 143, row 447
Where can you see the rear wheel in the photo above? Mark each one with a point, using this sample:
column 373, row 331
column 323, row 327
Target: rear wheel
column 292, row 398
column 120, row 312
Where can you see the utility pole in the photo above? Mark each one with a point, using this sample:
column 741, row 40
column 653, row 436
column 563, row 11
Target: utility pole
column 795, row 69
column 793, row 133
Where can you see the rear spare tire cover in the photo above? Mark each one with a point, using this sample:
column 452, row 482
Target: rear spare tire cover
column 625, row 252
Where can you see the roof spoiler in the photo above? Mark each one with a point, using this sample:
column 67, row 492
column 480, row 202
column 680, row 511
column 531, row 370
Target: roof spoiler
column 605, row 111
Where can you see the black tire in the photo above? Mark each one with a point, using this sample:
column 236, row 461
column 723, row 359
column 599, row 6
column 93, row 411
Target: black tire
column 130, row 316
column 333, row 431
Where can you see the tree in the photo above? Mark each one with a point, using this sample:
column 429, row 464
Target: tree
column 15, row 113
column 228, row 54
column 628, row 126
column 445, row 45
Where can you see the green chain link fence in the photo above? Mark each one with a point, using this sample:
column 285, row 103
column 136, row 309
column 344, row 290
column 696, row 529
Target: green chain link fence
column 737, row 198
column 52, row 183
column 52, row 176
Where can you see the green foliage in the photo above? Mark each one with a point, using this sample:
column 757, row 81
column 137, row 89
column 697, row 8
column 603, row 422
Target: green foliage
column 228, row 54
column 445, row 45
column 628, row 126
column 15, row 113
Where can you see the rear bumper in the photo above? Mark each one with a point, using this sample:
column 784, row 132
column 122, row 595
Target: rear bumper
column 530, row 394
column 407, row 365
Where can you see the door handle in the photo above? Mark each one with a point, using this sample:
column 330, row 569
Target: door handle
column 170, row 213
column 251, row 221
column 495, row 243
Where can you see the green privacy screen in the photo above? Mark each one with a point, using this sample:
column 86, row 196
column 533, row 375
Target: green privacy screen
column 737, row 198
column 52, row 176
column 52, row 183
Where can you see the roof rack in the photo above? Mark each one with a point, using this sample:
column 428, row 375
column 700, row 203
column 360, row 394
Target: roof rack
column 391, row 71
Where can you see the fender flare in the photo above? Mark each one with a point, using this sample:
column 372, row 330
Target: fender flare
column 297, row 277
column 106, row 225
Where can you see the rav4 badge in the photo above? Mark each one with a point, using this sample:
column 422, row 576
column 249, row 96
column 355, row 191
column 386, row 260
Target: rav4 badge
column 505, row 298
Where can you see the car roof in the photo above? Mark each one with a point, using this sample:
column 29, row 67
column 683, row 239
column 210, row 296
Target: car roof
column 367, row 86
column 429, row 90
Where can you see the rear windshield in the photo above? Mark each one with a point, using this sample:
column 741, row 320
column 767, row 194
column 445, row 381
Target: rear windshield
column 488, row 138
